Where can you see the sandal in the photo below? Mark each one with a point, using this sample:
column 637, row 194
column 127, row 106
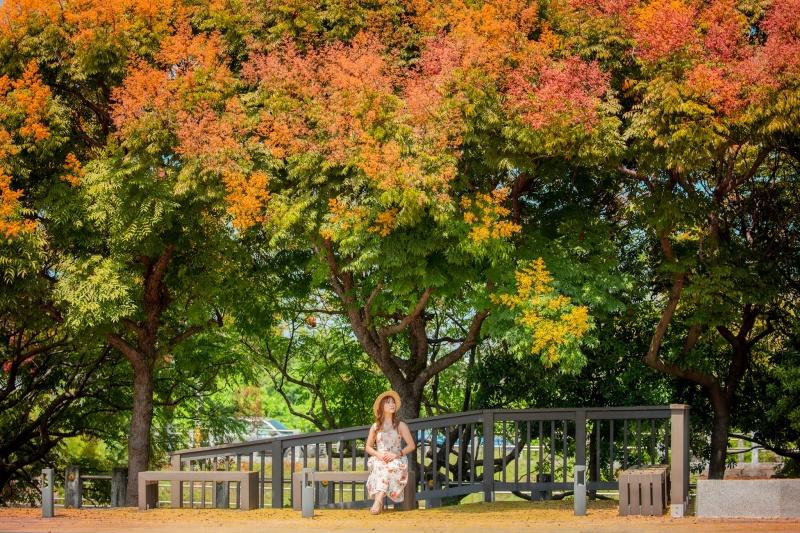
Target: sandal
column 377, row 510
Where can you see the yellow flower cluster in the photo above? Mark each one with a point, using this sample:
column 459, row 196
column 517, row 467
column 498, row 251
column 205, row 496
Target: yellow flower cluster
column 486, row 215
column 551, row 318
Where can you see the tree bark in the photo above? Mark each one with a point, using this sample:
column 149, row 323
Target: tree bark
column 141, row 422
column 719, row 433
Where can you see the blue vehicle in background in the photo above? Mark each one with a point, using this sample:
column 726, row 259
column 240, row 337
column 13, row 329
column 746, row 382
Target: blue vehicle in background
column 441, row 440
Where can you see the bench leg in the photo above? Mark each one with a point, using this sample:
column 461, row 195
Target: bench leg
column 142, row 494
column 148, row 494
column 176, row 494
column 297, row 481
column 248, row 491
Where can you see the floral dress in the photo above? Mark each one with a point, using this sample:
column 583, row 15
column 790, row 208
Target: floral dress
column 390, row 477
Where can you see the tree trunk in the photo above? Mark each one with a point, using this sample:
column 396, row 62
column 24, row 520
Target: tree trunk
column 141, row 422
column 411, row 403
column 719, row 434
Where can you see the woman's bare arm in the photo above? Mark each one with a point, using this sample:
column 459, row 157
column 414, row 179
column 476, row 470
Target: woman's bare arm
column 371, row 442
column 407, row 438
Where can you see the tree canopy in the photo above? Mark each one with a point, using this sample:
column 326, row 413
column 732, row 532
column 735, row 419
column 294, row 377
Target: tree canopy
column 450, row 196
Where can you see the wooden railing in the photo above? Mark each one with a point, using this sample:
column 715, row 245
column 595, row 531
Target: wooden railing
column 531, row 452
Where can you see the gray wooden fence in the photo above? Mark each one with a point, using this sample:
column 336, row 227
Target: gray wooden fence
column 529, row 451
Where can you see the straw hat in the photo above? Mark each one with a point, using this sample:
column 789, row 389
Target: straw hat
column 380, row 398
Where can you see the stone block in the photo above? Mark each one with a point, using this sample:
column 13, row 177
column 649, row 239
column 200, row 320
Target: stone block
column 748, row 498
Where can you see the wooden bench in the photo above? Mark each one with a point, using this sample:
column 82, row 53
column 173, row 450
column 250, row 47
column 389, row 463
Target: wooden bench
column 148, row 486
column 644, row 491
column 335, row 476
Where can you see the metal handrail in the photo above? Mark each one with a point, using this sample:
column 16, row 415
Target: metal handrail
column 475, row 437
column 592, row 413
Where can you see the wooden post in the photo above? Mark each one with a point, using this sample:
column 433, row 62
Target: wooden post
column 277, row 475
column 73, row 487
column 176, row 488
column 119, row 486
column 679, row 459
column 488, row 456
column 580, row 439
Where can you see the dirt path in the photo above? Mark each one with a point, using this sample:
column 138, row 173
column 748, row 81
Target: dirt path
column 472, row 518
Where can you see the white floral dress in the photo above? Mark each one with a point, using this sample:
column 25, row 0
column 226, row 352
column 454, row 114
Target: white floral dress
column 390, row 477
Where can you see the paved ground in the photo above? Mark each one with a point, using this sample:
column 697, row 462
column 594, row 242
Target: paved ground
column 473, row 518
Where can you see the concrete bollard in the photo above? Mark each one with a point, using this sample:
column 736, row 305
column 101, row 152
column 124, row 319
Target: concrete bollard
column 119, row 487
column 307, row 497
column 73, row 487
column 48, row 507
column 580, row 490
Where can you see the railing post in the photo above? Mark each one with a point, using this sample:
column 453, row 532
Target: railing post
column 679, row 459
column 73, row 488
column 176, row 487
column 277, row 475
column 488, row 456
column 580, row 437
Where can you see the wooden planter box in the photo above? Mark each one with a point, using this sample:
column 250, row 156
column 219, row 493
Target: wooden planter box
column 748, row 498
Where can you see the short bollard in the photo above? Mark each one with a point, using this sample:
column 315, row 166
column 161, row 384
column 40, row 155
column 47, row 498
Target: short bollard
column 73, row 487
column 580, row 490
column 48, row 508
column 308, row 493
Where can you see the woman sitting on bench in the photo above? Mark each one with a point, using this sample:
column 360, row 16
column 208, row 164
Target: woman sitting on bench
column 388, row 464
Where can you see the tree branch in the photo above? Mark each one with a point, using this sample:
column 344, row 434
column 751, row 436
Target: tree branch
column 406, row 321
column 449, row 359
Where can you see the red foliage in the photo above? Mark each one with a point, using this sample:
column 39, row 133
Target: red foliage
column 782, row 49
column 558, row 93
column 724, row 31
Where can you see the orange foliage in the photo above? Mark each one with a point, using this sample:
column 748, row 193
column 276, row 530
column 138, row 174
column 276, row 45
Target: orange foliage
column 344, row 218
column 24, row 110
column 17, row 16
column 384, row 222
column 346, row 103
column 101, row 20
column 664, row 27
column 188, row 92
column 488, row 34
column 248, row 195
column 146, row 91
column 605, row 7
column 32, row 97
column 73, row 170
column 10, row 224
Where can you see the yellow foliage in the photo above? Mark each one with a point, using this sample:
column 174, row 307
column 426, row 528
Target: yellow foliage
column 486, row 215
column 552, row 320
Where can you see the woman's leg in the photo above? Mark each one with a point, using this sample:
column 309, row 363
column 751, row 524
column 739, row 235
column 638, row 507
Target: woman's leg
column 378, row 504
